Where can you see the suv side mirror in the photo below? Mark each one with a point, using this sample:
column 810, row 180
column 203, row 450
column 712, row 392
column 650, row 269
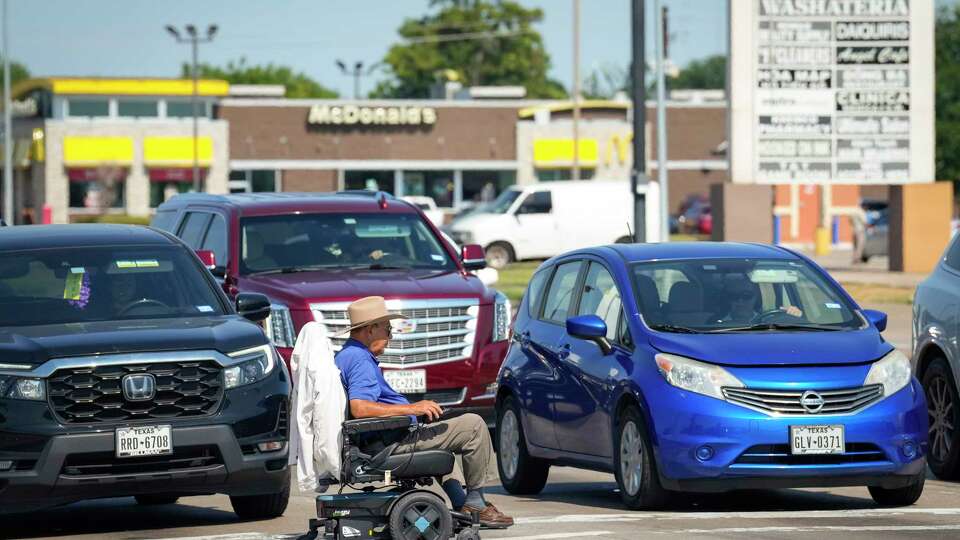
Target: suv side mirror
column 876, row 318
column 590, row 328
column 253, row 306
column 208, row 258
column 473, row 257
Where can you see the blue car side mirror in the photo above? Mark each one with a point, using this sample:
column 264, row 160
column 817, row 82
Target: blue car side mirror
column 876, row 318
column 590, row 328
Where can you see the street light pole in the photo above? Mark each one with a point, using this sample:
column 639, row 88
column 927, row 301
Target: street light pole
column 660, row 42
column 576, row 90
column 638, row 174
column 194, row 39
column 356, row 72
column 8, row 208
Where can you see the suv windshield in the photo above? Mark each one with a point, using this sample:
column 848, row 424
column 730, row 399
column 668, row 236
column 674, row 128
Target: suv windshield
column 75, row 285
column 291, row 243
column 739, row 295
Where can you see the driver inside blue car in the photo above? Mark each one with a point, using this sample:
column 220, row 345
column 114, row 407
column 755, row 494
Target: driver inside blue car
column 743, row 296
column 370, row 396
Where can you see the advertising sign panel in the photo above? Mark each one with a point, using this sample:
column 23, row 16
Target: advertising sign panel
column 831, row 91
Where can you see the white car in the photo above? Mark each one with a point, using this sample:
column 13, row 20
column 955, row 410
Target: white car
column 541, row 220
column 429, row 207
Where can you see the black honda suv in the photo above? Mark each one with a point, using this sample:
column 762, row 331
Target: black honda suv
column 125, row 371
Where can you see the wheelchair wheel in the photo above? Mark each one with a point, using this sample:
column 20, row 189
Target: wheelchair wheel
column 420, row 515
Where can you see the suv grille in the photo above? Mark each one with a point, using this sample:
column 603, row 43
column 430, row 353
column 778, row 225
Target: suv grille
column 779, row 454
column 86, row 395
column 788, row 401
column 441, row 330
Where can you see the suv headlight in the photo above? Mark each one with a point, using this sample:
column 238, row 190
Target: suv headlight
column 253, row 365
column 279, row 326
column 892, row 371
column 698, row 377
column 501, row 318
column 22, row 388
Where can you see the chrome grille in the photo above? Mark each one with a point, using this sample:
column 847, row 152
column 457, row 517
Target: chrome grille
column 787, row 402
column 444, row 332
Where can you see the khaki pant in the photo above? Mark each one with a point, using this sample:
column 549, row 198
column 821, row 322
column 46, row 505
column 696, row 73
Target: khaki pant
column 466, row 436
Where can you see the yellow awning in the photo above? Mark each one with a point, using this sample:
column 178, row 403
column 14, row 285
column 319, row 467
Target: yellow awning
column 93, row 151
column 176, row 151
column 122, row 87
column 562, row 106
column 559, row 152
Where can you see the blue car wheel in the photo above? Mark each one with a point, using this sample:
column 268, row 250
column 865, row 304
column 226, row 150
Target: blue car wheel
column 520, row 473
column 634, row 467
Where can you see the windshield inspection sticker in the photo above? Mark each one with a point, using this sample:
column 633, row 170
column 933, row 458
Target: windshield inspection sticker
column 145, row 263
column 205, row 309
column 436, row 257
column 833, row 305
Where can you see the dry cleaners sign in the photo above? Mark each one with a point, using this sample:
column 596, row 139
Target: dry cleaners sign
column 352, row 115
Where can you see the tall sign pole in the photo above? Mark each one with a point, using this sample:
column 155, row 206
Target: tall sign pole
column 660, row 42
column 576, row 90
column 638, row 174
column 8, row 209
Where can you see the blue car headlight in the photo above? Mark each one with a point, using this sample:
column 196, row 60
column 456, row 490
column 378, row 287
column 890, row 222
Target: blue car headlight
column 694, row 376
column 22, row 388
column 253, row 365
column 892, row 371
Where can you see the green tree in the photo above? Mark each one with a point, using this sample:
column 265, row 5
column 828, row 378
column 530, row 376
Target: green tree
column 18, row 72
column 297, row 85
column 947, row 93
column 708, row 73
column 605, row 81
column 480, row 42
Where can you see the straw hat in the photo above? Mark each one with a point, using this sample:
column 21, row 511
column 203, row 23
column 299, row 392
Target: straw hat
column 367, row 311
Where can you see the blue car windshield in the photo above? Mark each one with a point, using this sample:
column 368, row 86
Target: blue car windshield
column 739, row 295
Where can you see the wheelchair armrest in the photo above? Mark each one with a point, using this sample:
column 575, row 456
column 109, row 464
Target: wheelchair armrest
column 367, row 425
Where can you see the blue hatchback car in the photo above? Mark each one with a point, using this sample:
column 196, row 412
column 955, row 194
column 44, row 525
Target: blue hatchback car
column 705, row 367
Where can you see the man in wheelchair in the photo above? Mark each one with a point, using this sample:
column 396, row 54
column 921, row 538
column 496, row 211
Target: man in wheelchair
column 384, row 442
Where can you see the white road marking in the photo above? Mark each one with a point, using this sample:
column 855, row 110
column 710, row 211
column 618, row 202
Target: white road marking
column 557, row 535
column 822, row 528
column 663, row 516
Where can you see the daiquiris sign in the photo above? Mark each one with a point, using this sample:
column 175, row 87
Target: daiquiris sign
column 353, row 115
column 831, row 91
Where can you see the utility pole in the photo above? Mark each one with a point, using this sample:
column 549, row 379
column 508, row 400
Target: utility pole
column 8, row 208
column 661, row 45
column 576, row 90
column 193, row 38
column 357, row 72
column 638, row 174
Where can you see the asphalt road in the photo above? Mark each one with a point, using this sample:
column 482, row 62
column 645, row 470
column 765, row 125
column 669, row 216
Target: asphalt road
column 575, row 504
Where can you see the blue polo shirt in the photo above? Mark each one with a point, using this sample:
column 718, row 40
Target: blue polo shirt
column 361, row 375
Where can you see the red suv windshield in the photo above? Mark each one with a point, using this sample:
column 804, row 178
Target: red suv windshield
column 290, row 243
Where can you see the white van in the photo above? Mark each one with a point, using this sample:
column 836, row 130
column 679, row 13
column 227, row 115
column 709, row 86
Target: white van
column 541, row 220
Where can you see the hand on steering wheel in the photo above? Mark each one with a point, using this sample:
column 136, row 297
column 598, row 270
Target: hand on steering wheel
column 792, row 311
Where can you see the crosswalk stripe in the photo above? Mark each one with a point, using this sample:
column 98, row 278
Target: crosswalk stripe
column 788, row 514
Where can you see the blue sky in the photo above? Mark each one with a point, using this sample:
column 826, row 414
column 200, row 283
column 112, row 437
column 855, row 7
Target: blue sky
column 126, row 37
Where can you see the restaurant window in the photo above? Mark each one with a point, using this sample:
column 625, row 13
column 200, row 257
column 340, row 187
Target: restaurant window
column 436, row 184
column 184, row 109
column 96, row 190
column 249, row 181
column 484, row 186
column 555, row 175
column 137, row 108
column 369, row 180
column 161, row 192
column 88, row 107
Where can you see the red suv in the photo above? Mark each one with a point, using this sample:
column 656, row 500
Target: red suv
column 312, row 254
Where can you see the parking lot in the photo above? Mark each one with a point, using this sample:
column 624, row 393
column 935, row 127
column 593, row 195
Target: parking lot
column 575, row 504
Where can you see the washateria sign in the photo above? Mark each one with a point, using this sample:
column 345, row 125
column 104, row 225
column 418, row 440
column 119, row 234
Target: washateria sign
column 352, row 115
column 831, row 91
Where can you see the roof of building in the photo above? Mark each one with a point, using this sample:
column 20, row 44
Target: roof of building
column 79, row 235
column 122, row 86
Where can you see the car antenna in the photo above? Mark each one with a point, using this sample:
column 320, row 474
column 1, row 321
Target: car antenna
column 630, row 233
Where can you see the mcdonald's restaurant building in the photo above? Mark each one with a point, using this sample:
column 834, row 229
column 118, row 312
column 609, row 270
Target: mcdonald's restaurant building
column 85, row 147
column 459, row 152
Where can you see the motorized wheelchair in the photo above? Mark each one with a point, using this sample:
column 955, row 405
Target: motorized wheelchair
column 405, row 511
